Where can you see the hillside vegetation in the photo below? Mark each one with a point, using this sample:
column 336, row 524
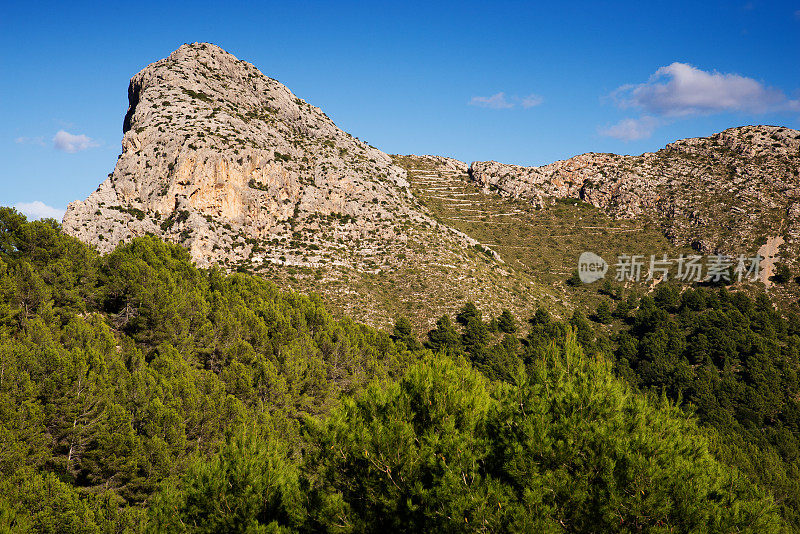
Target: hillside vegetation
column 141, row 393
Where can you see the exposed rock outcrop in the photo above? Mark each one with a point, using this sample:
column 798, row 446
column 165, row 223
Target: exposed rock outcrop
column 215, row 155
column 719, row 193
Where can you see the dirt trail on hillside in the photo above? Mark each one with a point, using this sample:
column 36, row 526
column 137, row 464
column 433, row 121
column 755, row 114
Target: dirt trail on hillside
column 769, row 251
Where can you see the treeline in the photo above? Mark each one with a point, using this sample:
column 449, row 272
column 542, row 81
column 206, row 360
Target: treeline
column 139, row 393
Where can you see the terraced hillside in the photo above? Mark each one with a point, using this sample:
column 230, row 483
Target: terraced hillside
column 540, row 242
column 410, row 282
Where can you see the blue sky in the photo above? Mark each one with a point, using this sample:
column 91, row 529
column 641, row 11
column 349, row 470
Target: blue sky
column 517, row 82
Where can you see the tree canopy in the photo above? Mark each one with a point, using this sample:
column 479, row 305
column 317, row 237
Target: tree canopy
column 141, row 393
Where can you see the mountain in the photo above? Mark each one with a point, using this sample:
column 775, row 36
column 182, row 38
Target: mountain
column 735, row 192
column 231, row 164
column 542, row 241
column 140, row 392
column 214, row 152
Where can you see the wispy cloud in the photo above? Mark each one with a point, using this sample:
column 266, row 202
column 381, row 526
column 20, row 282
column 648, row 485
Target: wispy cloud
column 71, row 143
column 39, row 210
column 681, row 90
column 501, row 101
column 531, row 100
column 631, row 129
column 30, row 141
column 496, row 101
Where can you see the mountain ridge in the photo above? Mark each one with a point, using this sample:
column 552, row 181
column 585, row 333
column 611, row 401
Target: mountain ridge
column 759, row 165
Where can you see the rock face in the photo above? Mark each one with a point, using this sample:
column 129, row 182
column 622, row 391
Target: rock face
column 223, row 159
column 723, row 193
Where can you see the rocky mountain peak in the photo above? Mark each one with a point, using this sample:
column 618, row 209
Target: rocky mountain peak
column 212, row 148
column 747, row 141
column 231, row 164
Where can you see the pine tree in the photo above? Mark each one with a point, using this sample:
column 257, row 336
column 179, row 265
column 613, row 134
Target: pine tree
column 444, row 337
column 603, row 313
column 575, row 279
column 506, row 322
column 249, row 486
column 404, row 332
column 468, row 313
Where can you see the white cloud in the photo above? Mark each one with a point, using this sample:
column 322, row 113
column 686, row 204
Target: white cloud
column 71, row 143
column 496, row 101
column 501, row 101
column 30, row 141
column 680, row 90
column 631, row 129
column 531, row 100
column 39, row 210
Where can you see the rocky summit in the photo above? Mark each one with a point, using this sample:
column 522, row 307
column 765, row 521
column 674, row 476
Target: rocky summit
column 219, row 157
column 231, row 164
